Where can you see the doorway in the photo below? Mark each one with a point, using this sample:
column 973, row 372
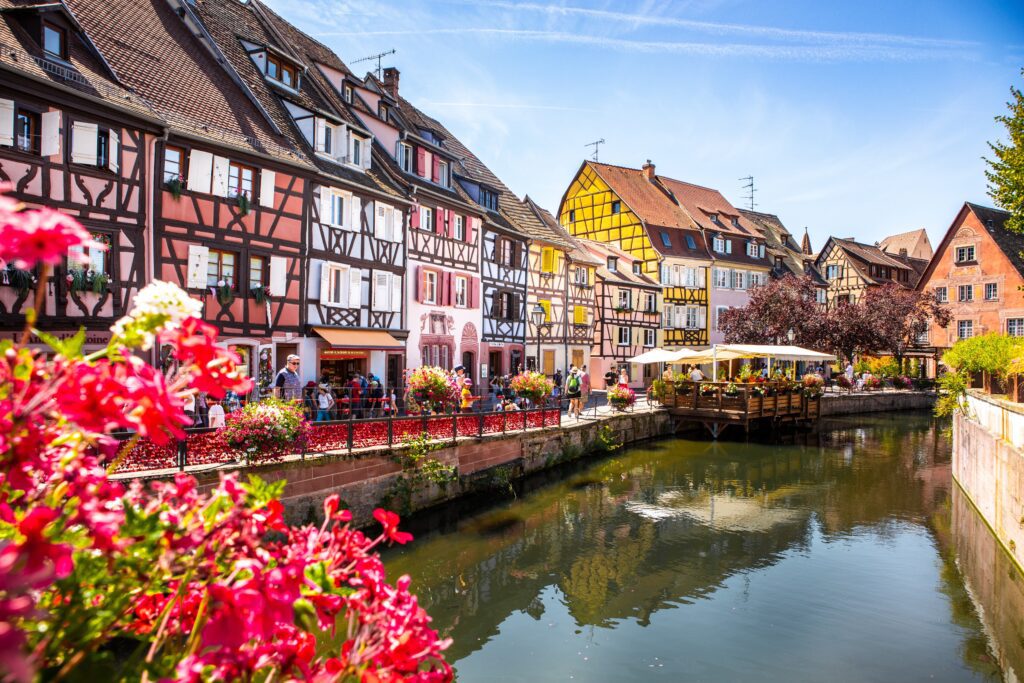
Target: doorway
column 393, row 374
column 516, row 361
column 494, row 364
column 548, row 365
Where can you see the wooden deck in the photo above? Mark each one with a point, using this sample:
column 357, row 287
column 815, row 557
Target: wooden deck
column 713, row 406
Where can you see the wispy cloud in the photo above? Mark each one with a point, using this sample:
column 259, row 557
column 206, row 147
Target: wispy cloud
column 817, row 53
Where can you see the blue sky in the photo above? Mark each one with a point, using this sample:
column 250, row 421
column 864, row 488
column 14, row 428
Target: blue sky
column 855, row 119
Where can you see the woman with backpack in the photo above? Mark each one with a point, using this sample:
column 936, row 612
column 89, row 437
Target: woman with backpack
column 573, row 391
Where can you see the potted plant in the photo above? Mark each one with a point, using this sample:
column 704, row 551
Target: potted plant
column 19, row 278
column 684, row 385
column 431, row 388
column 224, row 292
column 534, row 386
column 731, row 390
column 620, row 397
column 175, row 186
column 260, row 293
column 267, row 429
column 813, row 385
column 243, row 203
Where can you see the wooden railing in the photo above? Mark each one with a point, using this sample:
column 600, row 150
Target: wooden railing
column 740, row 401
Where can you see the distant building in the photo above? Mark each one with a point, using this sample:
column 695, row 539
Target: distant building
column 914, row 244
column 786, row 257
column 852, row 268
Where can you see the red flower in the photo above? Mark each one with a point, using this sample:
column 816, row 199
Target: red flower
column 389, row 520
column 43, row 236
column 214, row 369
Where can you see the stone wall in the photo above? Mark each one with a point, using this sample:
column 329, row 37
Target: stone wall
column 366, row 480
column 988, row 463
column 875, row 402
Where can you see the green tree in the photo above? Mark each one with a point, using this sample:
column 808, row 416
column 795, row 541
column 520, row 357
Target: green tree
column 1006, row 173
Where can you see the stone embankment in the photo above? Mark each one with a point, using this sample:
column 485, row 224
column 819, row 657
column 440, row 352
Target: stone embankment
column 834, row 404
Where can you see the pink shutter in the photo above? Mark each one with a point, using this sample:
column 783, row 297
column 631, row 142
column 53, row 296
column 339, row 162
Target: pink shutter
column 420, row 275
column 439, row 220
column 435, row 171
column 471, row 229
column 445, row 281
column 474, row 292
column 414, row 217
column 448, row 223
column 421, row 161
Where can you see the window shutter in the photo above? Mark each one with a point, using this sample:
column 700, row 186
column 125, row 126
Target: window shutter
column 83, row 143
column 268, row 179
column 7, row 122
column 439, row 221
column 340, row 148
column 396, row 225
column 396, row 293
column 278, row 275
column 760, row 251
column 380, row 222
column 474, row 292
column 356, row 219
column 471, row 222
column 445, row 282
column 220, row 176
column 414, row 216
column 350, row 155
column 325, row 283
column 49, row 145
column 198, row 261
column 420, row 284
column 355, row 288
column 421, row 162
column 112, row 150
column 702, row 318
column 728, row 246
column 381, row 292
column 449, row 227
column 364, row 156
column 434, row 166
column 320, row 135
column 323, row 202
column 200, row 170
column 702, row 274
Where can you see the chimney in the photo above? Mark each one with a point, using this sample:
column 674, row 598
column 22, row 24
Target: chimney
column 391, row 81
column 903, row 251
column 648, row 170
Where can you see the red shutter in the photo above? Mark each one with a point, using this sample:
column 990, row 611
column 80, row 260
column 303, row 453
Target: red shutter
column 444, row 282
column 471, row 229
column 414, row 217
column 439, row 220
column 421, row 161
column 448, row 223
column 420, row 275
column 474, row 292
column 435, row 171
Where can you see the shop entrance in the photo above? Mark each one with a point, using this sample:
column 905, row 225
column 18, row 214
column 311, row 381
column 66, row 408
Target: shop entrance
column 516, row 362
column 494, row 364
column 336, row 365
column 394, row 372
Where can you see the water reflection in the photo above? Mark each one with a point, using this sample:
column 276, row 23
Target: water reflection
column 718, row 561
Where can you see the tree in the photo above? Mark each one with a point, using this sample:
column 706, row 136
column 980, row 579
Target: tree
column 847, row 330
column 776, row 308
column 898, row 316
column 1006, row 172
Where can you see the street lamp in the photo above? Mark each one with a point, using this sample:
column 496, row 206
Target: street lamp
column 538, row 314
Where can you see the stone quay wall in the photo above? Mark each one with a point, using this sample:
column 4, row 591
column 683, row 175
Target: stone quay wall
column 988, row 464
column 833, row 404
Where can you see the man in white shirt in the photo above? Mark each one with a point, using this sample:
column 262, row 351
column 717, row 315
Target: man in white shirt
column 216, row 415
column 696, row 375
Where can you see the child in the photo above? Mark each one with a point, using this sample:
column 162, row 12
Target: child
column 216, row 414
column 467, row 396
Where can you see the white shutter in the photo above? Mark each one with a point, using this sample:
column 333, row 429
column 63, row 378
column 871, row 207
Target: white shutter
column 221, row 167
column 380, row 222
column 356, row 211
column 200, row 170
column 50, row 142
column 396, row 293
column 268, row 179
column 278, row 275
column 702, row 318
column 325, row 283
column 396, row 225
column 381, row 295
column 701, row 277
column 7, row 122
column 728, row 246
column 83, row 143
column 320, row 135
column 399, row 157
column 351, row 146
column 364, row 156
column 324, row 199
column 355, row 288
column 112, row 149
column 198, row 262
column 760, row 251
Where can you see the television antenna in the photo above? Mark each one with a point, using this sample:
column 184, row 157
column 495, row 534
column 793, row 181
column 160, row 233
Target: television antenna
column 749, row 187
column 596, row 144
column 379, row 56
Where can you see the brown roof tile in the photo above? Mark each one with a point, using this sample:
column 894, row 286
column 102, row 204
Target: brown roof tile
column 647, row 200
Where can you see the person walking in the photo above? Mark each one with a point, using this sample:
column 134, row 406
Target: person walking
column 696, row 375
column 216, row 414
column 584, row 387
column 573, row 391
column 287, row 385
column 610, row 377
column 324, row 403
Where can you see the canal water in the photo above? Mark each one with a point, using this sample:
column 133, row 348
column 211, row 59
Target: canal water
column 848, row 556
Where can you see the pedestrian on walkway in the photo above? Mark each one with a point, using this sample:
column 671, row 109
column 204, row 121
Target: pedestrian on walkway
column 324, row 403
column 573, row 391
column 216, row 414
column 287, row 385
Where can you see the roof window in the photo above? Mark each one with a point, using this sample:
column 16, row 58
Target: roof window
column 55, row 41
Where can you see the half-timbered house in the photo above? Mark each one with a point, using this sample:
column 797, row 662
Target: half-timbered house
column 851, row 268
column 785, row 256
column 352, row 318
column 628, row 314
column 72, row 137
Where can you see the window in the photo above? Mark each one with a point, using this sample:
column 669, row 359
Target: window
column 546, row 305
column 429, row 287
column 1015, row 327
column 461, row 291
column 737, row 279
column 613, row 264
column 506, row 253
column 820, row 295
column 572, row 215
column 547, row 260
column 965, row 293
column 102, row 147
column 506, row 307
column 488, row 199
column 625, row 299
column 832, row 271
column 26, row 131
column 55, row 42
column 220, row 268
column 580, row 276
column 579, row 315
column 382, row 111
column 240, row 180
column 735, row 221
column 964, row 329
column 718, row 244
column 650, row 303
column 965, row 254
column 281, row 71
column 333, row 207
column 692, row 317
column 357, row 151
column 616, row 206
column 257, row 271
column 941, row 295
column 460, row 228
column 665, row 240
column 96, row 260
column 752, row 248
column 174, row 164
column 637, row 268
column 721, row 278
column 623, row 336
column 714, row 218
column 426, row 218
column 346, row 92
column 649, row 337
column 442, row 173
column 991, row 291
column 405, row 157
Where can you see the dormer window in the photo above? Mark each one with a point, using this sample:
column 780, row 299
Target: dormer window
column 382, row 112
column 55, row 41
column 357, row 152
column 752, row 249
column 714, row 218
column 442, row 173
column 406, row 157
column 636, row 268
column 346, row 93
column 613, row 264
column 616, row 206
column 281, row 71
column 735, row 221
column 488, row 199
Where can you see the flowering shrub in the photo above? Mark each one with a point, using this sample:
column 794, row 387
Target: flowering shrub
column 99, row 581
column 813, row 384
column 872, row 382
column 271, row 428
column 843, row 381
column 621, row 397
column 903, row 382
column 431, row 388
column 534, row 386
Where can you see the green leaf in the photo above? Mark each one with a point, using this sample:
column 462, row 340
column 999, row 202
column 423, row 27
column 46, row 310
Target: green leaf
column 69, row 348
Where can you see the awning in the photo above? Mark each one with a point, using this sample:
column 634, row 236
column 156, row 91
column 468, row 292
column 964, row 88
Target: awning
column 358, row 339
column 777, row 352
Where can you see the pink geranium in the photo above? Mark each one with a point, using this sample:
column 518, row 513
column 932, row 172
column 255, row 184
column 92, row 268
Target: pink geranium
column 41, row 236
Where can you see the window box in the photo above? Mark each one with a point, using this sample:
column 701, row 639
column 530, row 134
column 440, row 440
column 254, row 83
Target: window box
column 80, row 281
column 175, row 186
column 22, row 280
column 243, row 204
column 260, row 293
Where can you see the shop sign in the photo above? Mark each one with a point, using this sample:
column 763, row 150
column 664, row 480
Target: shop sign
column 92, row 338
column 341, row 354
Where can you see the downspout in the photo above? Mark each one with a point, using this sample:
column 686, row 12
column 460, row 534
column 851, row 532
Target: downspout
column 149, row 233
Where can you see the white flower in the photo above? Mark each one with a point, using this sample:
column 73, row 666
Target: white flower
column 158, row 307
column 221, row 283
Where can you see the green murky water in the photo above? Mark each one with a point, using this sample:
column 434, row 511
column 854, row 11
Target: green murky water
column 850, row 556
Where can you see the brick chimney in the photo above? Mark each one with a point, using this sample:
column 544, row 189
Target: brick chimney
column 648, row 170
column 391, row 81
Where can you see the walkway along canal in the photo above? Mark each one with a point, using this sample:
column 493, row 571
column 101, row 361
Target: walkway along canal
column 849, row 557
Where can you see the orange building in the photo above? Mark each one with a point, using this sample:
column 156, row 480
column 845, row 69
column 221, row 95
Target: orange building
column 977, row 269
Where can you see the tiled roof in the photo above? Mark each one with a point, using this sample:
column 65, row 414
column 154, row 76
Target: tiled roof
column 87, row 74
column 154, row 53
column 862, row 256
column 647, row 200
column 678, row 246
column 869, row 253
column 1011, row 243
column 624, row 272
column 703, row 202
column 553, row 233
column 780, row 243
column 904, row 240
